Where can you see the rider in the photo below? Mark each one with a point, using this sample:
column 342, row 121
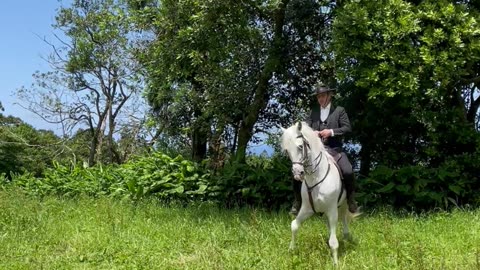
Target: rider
column 330, row 123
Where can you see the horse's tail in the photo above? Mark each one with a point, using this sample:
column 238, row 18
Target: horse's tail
column 352, row 216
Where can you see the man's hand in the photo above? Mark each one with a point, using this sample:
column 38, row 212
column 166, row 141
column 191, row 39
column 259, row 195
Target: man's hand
column 324, row 133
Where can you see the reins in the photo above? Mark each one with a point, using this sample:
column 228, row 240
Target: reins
column 309, row 189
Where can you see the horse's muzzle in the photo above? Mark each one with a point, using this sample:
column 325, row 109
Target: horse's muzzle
column 298, row 172
column 298, row 177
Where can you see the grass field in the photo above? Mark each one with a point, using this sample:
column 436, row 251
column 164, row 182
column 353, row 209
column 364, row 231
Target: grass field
column 90, row 233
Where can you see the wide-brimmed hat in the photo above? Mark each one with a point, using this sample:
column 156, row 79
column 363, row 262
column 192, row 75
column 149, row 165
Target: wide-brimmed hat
column 321, row 88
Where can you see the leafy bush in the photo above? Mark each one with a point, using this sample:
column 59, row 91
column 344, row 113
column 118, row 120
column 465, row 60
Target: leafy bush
column 165, row 177
column 453, row 183
column 71, row 180
column 158, row 175
column 261, row 182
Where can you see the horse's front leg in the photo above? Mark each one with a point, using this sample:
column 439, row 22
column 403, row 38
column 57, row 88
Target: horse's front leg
column 332, row 216
column 302, row 215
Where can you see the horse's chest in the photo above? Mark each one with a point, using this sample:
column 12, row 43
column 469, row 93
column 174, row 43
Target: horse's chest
column 321, row 201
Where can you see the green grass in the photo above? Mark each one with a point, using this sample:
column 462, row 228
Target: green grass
column 87, row 233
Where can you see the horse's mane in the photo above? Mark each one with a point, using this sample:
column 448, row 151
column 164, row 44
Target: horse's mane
column 311, row 137
column 307, row 132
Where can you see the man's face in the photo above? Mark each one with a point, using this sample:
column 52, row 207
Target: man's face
column 324, row 98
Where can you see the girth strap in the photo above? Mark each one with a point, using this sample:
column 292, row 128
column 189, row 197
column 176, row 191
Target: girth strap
column 341, row 181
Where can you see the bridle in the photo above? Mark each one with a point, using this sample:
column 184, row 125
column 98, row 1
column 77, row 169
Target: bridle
column 304, row 161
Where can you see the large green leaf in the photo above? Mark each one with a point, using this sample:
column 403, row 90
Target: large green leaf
column 387, row 188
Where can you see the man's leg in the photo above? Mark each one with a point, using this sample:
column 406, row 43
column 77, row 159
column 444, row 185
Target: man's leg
column 349, row 180
column 297, row 197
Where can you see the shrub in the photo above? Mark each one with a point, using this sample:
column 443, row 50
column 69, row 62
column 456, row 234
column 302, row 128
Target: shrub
column 157, row 175
column 165, row 177
column 453, row 183
column 261, row 182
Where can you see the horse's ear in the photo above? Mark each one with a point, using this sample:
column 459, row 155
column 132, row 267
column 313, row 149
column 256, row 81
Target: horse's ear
column 282, row 129
column 299, row 126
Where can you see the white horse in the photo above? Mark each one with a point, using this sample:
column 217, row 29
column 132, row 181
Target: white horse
column 322, row 189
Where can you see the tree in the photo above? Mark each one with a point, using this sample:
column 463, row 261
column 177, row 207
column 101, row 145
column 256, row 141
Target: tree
column 25, row 149
column 94, row 77
column 227, row 70
column 410, row 72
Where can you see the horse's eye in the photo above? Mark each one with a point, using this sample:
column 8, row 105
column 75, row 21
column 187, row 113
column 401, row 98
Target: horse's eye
column 300, row 147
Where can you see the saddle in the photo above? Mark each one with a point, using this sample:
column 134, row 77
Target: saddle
column 336, row 157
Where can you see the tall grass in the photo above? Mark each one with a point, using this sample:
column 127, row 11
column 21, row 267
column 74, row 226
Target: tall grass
column 86, row 233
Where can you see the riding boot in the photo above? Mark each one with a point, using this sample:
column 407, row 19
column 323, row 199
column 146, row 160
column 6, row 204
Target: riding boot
column 350, row 187
column 297, row 197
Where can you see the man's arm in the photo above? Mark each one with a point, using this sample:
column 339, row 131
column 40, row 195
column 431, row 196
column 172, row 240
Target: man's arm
column 344, row 123
column 309, row 119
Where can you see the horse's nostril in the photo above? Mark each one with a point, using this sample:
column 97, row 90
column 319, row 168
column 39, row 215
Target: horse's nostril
column 302, row 173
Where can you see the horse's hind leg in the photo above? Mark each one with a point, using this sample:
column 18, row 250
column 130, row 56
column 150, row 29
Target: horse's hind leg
column 332, row 227
column 344, row 215
column 302, row 215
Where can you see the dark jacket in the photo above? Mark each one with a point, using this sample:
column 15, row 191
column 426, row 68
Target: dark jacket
column 336, row 120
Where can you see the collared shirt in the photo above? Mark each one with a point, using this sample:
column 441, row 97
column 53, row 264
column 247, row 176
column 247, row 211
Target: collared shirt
column 324, row 112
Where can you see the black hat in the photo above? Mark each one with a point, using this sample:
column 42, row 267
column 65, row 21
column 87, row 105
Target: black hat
column 321, row 88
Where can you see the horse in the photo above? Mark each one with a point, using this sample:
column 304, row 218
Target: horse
column 322, row 190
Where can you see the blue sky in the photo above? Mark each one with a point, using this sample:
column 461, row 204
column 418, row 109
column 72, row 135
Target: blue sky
column 24, row 24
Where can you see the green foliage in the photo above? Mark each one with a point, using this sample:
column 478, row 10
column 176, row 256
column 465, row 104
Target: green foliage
column 418, row 187
column 165, row 177
column 226, row 69
column 71, row 180
column 24, row 148
column 260, row 182
column 156, row 175
column 409, row 72
column 401, row 49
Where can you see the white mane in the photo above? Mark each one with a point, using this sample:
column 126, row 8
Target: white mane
column 290, row 135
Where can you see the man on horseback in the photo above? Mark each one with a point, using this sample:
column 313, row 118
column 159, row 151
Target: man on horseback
column 330, row 123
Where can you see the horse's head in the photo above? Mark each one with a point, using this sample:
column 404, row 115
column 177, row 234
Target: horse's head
column 297, row 147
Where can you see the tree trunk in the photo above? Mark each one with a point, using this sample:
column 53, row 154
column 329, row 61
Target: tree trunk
column 113, row 155
column 199, row 144
column 261, row 95
column 474, row 106
column 97, row 139
column 93, row 149
column 199, row 127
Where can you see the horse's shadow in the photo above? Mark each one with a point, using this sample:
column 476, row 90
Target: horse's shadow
column 345, row 244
